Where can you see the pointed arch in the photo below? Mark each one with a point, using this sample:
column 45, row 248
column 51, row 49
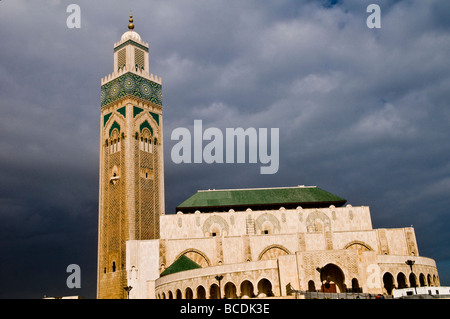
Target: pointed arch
column 318, row 221
column 145, row 125
column 197, row 256
column 115, row 121
column 215, row 225
column 273, row 251
column 145, row 120
column 267, row 223
column 358, row 245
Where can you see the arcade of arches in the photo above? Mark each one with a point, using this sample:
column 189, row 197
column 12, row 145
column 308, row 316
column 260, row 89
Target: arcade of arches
column 402, row 280
column 246, row 289
column 332, row 279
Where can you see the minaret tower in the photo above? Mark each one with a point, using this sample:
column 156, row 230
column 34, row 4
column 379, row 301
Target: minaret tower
column 131, row 196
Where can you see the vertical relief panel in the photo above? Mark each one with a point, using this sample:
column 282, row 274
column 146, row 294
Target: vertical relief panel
column 384, row 247
column 411, row 242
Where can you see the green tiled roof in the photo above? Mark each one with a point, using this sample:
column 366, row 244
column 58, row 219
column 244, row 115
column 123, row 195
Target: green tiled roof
column 309, row 196
column 181, row 264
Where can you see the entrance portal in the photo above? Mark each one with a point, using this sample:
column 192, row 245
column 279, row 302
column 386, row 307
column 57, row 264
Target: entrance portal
column 332, row 277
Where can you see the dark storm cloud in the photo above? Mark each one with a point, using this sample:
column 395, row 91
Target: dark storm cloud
column 362, row 113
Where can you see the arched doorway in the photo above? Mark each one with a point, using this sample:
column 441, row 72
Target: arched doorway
column 214, row 292
column 178, row 294
column 401, row 280
column 422, row 280
column 412, row 280
column 201, row 292
column 247, row 289
column 230, row 291
column 311, row 286
column 264, row 288
column 355, row 285
column 388, row 283
column 189, row 294
column 332, row 278
column 429, row 280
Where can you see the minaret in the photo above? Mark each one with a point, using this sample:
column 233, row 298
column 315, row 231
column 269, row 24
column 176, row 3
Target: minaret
column 131, row 195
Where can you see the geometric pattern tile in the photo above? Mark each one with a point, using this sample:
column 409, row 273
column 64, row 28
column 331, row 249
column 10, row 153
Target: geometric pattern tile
column 131, row 84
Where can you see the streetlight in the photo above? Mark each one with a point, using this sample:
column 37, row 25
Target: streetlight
column 410, row 263
column 127, row 289
column 219, row 278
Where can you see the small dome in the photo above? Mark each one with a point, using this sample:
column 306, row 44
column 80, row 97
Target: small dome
column 131, row 35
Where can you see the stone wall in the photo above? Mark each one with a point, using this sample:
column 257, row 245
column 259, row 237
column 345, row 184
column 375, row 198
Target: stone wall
column 267, row 251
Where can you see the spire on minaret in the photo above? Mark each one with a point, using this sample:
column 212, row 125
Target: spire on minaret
column 131, row 25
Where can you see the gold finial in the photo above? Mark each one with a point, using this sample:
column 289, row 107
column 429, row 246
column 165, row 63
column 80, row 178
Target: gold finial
column 131, row 25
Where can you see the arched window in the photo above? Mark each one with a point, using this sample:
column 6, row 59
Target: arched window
column 114, row 140
column 114, row 266
column 146, row 138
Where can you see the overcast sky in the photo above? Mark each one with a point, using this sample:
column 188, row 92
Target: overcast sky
column 362, row 113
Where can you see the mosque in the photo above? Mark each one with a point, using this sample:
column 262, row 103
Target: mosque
column 230, row 243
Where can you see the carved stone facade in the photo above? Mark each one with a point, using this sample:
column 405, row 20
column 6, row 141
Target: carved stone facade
column 286, row 247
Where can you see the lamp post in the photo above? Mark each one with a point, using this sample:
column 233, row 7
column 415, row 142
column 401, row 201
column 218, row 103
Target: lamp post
column 127, row 289
column 219, row 278
column 410, row 263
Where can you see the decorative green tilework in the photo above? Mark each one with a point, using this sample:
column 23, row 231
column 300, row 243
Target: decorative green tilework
column 133, row 43
column 123, row 111
column 136, row 111
column 114, row 126
column 131, row 84
column 155, row 116
column 146, row 125
column 106, row 118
